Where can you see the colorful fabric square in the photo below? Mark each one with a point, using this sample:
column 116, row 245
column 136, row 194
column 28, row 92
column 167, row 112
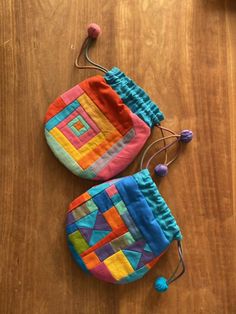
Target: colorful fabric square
column 118, row 230
column 98, row 127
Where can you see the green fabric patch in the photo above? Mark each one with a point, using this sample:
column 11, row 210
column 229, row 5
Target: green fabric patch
column 116, row 199
column 81, row 131
column 66, row 159
column 121, row 207
column 80, row 212
column 122, row 242
column 91, row 205
column 78, row 242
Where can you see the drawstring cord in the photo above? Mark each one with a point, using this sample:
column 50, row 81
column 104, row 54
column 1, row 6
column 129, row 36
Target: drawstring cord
column 164, row 142
column 164, row 148
column 162, row 169
column 174, row 277
column 84, row 51
column 159, row 151
column 162, row 284
column 90, row 41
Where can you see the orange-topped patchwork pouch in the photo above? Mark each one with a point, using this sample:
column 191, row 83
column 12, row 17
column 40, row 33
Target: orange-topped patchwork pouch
column 97, row 128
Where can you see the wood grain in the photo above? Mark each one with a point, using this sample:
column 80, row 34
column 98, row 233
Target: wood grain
column 184, row 54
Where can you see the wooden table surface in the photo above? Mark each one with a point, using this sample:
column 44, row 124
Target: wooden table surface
column 184, row 54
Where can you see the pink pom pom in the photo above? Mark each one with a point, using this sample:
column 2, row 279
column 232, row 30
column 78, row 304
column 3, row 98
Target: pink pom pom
column 94, row 30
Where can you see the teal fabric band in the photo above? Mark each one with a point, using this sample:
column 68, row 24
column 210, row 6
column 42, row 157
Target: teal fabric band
column 158, row 205
column 134, row 97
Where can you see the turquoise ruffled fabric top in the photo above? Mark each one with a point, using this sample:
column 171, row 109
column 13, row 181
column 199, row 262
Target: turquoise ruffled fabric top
column 134, row 97
column 158, row 205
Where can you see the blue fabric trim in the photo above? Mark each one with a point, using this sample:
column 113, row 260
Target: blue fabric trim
column 103, row 201
column 77, row 258
column 158, row 205
column 142, row 215
column 98, row 188
column 134, row 97
column 55, row 120
column 71, row 228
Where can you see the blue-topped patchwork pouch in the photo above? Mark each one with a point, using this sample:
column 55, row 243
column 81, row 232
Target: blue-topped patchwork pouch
column 118, row 230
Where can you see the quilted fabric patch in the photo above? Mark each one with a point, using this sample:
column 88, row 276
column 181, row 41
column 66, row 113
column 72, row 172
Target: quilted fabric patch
column 98, row 127
column 119, row 229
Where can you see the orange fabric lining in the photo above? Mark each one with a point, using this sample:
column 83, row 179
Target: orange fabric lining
column 108, row 101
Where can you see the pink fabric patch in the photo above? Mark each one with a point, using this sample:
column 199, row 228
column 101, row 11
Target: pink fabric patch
column 80, row 112
column 127, row 155
column 111, row 190
column 76, row 141
column 72, row 94
column 102, row 272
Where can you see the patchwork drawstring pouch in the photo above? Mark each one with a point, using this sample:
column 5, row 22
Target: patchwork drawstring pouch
column 97, row 128
column 118, row 230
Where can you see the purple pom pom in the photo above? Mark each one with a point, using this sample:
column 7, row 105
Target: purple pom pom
column 161, row 170
column 186, row 136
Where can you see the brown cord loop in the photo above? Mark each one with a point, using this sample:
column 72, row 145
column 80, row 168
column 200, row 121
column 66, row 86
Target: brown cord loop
column 84, row 51
column 174, row 277
column 164, row 148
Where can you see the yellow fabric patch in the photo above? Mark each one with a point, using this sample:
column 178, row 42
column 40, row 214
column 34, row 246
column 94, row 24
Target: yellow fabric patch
column 118, row 265
column 61, row 139
column 99, row 150
column 108, row 131
column 96, row 114
column 98, row 145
